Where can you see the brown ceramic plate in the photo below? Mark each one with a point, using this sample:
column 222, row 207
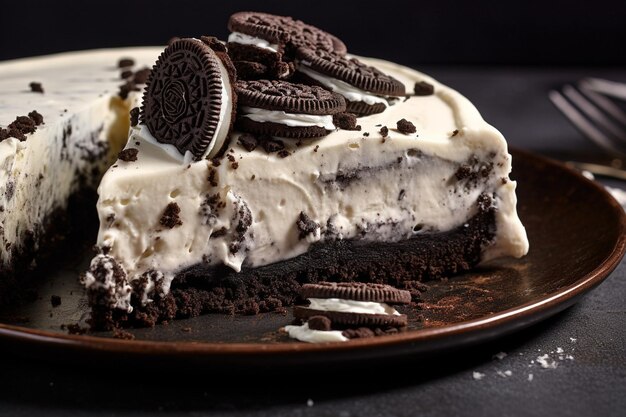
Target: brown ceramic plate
column 577, row 234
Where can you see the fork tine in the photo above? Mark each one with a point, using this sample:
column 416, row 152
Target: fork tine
column 593, row 112
column 610, row 88
column 602, row 102
column 578, row 120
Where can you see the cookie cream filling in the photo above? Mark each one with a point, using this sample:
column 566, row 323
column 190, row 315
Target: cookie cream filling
column 351, row 306
column 287, row 119
column 242, row 38
column 305, row 334
column 243, row 210
column 350, row 92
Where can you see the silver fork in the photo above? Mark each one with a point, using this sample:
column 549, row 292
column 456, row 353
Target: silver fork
column 587, row 106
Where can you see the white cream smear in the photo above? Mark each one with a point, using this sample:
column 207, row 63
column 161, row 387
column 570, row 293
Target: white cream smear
column 350, row 92
column 305, row 334
column 351, row 306
column 242, row 38
column 352, row 186
column 287, row 119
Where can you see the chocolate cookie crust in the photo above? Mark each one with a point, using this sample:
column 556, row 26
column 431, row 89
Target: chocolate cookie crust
column 202, row 289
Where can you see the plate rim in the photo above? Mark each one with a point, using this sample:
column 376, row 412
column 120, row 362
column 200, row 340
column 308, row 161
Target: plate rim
column 547, row 304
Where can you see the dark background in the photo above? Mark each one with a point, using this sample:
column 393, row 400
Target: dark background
column 410, row 32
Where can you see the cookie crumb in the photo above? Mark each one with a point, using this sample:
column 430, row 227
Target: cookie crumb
column 454, row 133
column 422, row 88
column 36, row 117
column 125, row 62
column 55, row 300
column 406, row 127
column 128, row 155
column 345, row 121
column 306, row 225
column 248, row 142
column 316, row 148
column 171, row 216
column 36, row 87
column 123, row 334
column 134, row 116
column 141, row 76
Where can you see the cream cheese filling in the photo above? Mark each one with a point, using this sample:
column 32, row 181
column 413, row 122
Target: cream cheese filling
column 350, row 92
column 287, row 119
column 242, row 38
column 351, row 306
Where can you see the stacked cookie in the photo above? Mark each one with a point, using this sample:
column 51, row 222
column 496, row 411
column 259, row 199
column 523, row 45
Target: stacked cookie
column 292, row 80
column 269, row 47
column 338, row 312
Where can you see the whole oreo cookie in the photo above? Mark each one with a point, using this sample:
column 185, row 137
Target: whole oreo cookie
column 343, row 319
column 272, row 40
column 284, row 31
column 184, row 97
column 339, row 296
column 284, row 109
column 356, row 291
column 365, row 88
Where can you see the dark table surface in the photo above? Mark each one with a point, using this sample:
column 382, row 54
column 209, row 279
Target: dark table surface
column 590, row 377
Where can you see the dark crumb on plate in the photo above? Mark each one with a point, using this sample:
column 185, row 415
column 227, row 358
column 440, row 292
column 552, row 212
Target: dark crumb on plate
column 55, row 300
column 123, row 334
column 406, row 127
column 75, row 329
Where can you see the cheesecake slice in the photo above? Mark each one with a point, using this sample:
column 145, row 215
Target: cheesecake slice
column 421, row 191
column 63, row 119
